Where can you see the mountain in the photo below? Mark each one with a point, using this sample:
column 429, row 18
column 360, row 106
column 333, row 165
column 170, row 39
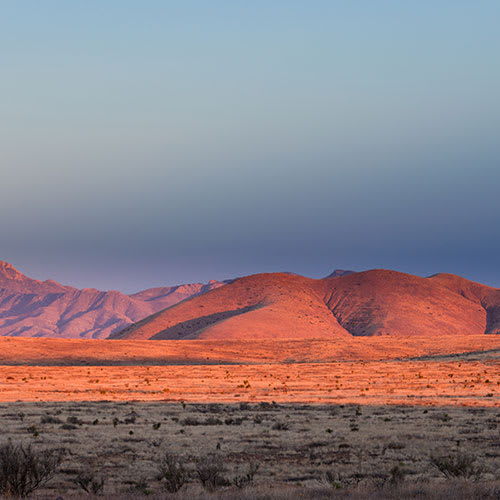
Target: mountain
column 376, row 302
column 32, row 308
column 339, row 272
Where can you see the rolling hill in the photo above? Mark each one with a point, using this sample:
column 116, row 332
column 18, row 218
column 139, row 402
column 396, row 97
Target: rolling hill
column 376, row 302
column 32, row 308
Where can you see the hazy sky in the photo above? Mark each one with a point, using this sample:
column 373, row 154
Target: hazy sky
column 148, row 143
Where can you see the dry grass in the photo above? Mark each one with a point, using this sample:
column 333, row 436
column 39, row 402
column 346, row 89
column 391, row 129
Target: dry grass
column 460, row 382
column 457, row 490
column 371, row 428
column 358, row 446
column 71, row 352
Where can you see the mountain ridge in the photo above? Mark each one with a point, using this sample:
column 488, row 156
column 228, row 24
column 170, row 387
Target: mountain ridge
column 34, row 308
column 260, row 306
column 375, row 302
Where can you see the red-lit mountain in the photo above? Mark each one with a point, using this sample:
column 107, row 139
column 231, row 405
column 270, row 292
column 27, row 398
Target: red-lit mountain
column 377, row 302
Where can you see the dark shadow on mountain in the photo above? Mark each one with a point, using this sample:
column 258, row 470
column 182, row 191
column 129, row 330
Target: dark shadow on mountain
column 187, row 329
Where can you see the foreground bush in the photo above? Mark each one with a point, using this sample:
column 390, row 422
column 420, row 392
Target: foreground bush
column 210, row 471
column 460, row 465
column 246, row 479
column 89, row 483
column 23, row 469
column 172, row 472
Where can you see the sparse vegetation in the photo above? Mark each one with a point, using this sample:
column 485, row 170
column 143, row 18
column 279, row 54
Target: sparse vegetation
column 49, row 419
column 241, row 481
column 172, row 472
column 23, row 469
column 333, row 479
column 210, row 472
column 317, row 448
column 280, row 426
column 458, row 465
column 90, row 482
column 397, row 475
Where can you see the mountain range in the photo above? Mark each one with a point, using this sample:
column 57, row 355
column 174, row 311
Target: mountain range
column 376, row 302
column 32, row 308
column 261, row 306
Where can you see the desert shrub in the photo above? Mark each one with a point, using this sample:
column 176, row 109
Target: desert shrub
column 49, row 419
column 207, row 421
column 333, row 479
column 213, row 421
column 241, row 481
column 68, row 427
column 89, row 483
column 33, row 430
column 394, row 445
column 397, row 475
column 280, row 426
column 190, row 421
column 460, row 465
column 142, row 486
column 234, row 421
column 172, row 472
column 23, row 470
column 74, row 420
column 210, row 471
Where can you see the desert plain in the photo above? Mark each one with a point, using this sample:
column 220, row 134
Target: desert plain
column 317, row 418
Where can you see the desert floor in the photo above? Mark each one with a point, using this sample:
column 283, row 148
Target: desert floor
column 70, row 352
column 292, row 444
column 297, row 410
column 363, row 371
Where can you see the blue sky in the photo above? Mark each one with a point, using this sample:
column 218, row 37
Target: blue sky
column 148, row 143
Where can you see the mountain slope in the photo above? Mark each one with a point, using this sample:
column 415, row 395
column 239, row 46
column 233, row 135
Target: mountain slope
column 382, row 302
column 487, row 297
column 377, row 302
column 261, row 306
column 32, row 308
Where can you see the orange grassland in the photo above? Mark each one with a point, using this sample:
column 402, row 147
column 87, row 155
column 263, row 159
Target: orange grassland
column 462, row 371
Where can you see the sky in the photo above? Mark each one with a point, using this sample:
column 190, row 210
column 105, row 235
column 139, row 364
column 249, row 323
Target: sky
column 155, row 143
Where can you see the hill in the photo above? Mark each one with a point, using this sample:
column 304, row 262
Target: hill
column 32, row 308
column 376, row 302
